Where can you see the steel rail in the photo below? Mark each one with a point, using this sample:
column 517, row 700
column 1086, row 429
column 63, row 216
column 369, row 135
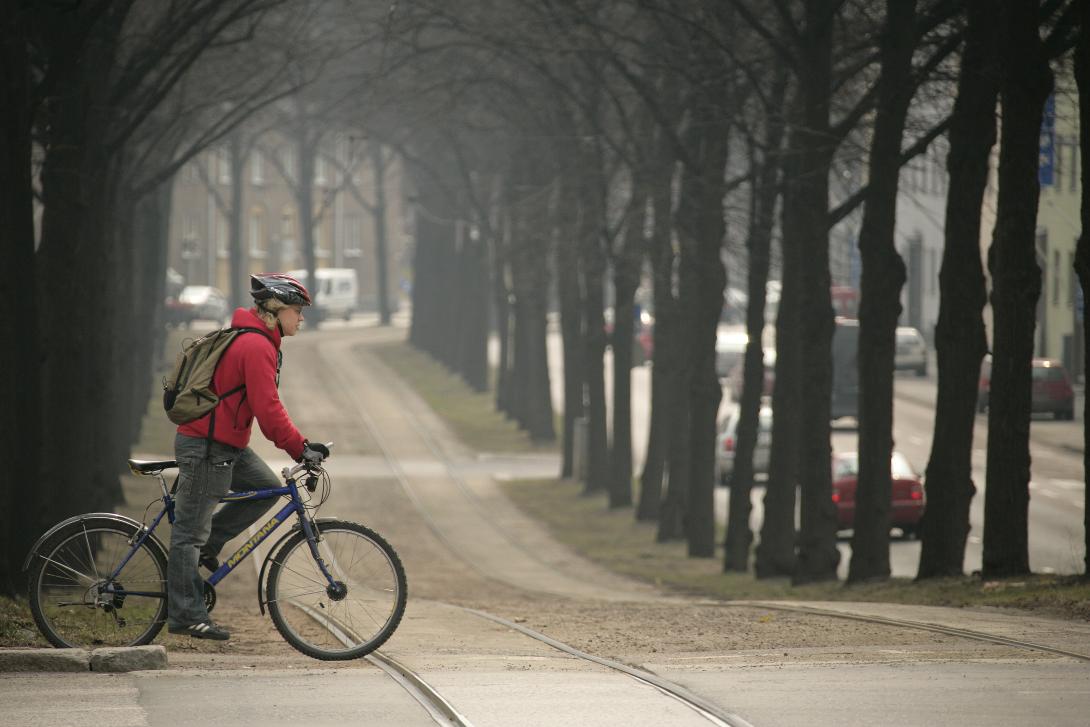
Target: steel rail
column 701, row 706
column 902, row 623
column 438, row 708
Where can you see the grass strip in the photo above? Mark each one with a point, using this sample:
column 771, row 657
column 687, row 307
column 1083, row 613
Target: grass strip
column 613, row 539
column 470, row 414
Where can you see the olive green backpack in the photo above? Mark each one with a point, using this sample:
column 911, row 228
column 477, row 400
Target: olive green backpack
column 188, row 393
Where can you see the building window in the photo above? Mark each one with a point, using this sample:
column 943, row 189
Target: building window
column 1056, row 277
column 932, row 270
column 287, row 162
column 257, row 169
column 190, row 173
column 1072, row 279
column 1074, row 166
column 287, row 234
column 353, row 237
column 223, row 157
column 257, row 233
column 320, row 178
column 223, row 238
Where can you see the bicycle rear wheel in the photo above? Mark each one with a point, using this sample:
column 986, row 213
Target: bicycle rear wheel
column 346, row 621
column 76, row 600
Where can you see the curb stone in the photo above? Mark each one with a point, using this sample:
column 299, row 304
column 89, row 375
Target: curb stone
column 115, row 659
column 129, row 658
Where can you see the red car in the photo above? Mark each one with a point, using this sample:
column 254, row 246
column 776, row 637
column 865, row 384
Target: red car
column 1052, row 392
column 908, row 493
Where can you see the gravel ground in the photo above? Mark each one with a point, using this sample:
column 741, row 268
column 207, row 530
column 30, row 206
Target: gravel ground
column 675, row 629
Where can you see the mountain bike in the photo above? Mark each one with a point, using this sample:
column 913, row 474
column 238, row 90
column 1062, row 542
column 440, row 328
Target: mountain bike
column 334, row 589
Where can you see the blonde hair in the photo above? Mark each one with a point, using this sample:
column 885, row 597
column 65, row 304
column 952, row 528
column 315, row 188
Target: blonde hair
column 267, row 310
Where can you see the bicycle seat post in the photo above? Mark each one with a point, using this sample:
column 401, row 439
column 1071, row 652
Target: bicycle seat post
column 162, row 483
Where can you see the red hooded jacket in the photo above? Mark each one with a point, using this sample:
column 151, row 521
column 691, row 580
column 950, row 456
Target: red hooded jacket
column 251, row 360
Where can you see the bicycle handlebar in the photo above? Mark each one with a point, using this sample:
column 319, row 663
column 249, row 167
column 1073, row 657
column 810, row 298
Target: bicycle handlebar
column 290, row 472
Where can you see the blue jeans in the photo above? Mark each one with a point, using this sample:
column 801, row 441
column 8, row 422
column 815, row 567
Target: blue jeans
column 207, row 473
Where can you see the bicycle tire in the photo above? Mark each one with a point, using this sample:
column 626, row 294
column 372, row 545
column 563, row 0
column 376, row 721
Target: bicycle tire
column 315, row 621
column 73, row 602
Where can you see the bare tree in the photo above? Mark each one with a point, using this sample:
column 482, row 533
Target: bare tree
column 1025, row 83
column 959, row 335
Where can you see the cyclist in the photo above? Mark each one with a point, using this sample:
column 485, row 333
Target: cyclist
column 213, row 456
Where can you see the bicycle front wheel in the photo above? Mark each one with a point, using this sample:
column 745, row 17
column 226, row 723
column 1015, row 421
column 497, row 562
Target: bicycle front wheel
column 89, row 587
column 349, row 618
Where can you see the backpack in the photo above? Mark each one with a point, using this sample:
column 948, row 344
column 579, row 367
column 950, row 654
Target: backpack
column 188, row 394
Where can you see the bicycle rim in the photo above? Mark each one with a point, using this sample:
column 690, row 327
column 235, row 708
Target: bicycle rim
column 77, row 604
column 328, row 625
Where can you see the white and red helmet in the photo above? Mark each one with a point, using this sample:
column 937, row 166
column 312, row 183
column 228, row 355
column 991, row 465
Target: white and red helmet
column 284, row 288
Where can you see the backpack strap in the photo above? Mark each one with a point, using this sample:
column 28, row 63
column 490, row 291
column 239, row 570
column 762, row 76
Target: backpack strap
column 240, row 387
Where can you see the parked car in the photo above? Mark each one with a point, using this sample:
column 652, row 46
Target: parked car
column 730, row 348
column 728, row 441
column 845, row 395
column 207, row 302
column 736, row 377
column 911, row 351
column 336, row 294
column 908, row 492
column 643, row 334
column 1052, row 391
column 177, row 314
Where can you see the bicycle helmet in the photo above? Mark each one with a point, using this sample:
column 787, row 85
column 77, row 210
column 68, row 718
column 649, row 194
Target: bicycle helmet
column 284, row 288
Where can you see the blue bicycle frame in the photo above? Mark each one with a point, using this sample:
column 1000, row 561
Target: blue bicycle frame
column 294, row 506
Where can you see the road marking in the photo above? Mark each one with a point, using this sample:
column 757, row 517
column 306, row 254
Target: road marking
column 1069, row 484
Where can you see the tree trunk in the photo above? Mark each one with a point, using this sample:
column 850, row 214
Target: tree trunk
column 473, row 349
column 626, row 278
column 761, row 219
column 502, row 300
column 1082, row 249
column 775, row 553
column 660, row 176
column 664, row 354
column 378, row 216
column 307, row 148
column 238, row 282
column 529, row 255
column 959, row 335
column 571, row 326
column 592, row 267
column 76, row 324
column 818, row 555
column 880, row 306
column 1016, row 286
column 703, row 278
column 17, row 362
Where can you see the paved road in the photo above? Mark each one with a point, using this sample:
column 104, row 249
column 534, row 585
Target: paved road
column 1057, row 490
column 398, row 469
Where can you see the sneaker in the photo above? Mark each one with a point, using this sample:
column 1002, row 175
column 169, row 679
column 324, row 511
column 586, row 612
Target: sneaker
column 210, row 562
column 202, row 630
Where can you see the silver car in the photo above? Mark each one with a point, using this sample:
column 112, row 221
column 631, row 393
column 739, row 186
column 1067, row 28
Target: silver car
column 727, row 443
column 207, row 303
column 911, row 351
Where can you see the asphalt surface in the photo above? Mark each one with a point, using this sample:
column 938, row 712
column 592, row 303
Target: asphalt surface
column 397, row 468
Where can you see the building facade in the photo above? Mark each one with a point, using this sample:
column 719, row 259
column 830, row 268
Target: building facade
column 1059, row 324
column 344, row 209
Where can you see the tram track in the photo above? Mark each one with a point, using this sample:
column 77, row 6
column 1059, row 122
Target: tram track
column 440, row 708
column 907, row 624
column 442, row 712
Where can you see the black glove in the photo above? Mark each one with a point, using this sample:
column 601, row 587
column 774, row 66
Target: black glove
column 314, row 452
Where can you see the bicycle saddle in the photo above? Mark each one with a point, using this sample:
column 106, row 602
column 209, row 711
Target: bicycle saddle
column 147, row 467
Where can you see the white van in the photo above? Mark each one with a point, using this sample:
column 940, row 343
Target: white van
column 336, row 294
